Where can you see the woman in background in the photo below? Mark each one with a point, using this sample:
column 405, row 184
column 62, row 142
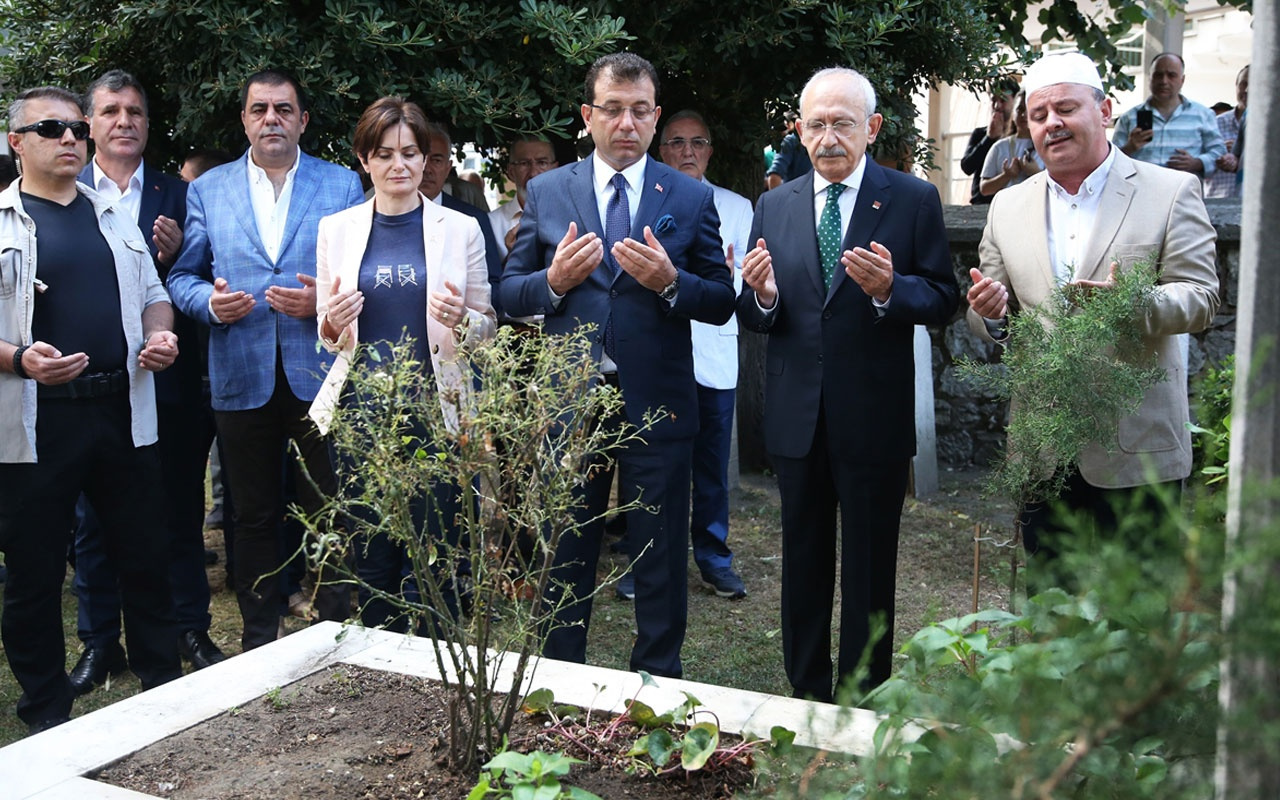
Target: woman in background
column 1013, row 159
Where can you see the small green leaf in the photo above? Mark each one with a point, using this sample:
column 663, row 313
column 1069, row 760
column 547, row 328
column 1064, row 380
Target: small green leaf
column 781, row 739
column 539, row 701
column 645, row 717
column 661, row 746
column 481, row 788
column 699, row 743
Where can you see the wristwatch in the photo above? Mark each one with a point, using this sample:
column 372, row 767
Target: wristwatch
column 669, row 291
column 17, row 362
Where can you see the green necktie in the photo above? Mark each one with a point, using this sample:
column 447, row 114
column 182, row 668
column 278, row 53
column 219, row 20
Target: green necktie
column 829, row 234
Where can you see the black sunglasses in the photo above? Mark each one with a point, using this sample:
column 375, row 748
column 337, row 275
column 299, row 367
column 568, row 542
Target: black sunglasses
column 54, row 128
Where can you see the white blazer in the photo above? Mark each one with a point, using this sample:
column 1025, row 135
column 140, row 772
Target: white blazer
column 455, row 253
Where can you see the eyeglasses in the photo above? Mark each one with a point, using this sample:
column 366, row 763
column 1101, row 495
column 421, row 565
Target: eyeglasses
column 638, row 113
column 842, row 128
column 697, row 143
column 540, row 163
column 54, row 128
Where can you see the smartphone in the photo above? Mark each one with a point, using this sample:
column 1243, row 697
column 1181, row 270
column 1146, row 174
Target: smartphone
column 1145, row 120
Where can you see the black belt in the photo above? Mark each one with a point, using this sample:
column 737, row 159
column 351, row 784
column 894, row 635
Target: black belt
column 97, row 384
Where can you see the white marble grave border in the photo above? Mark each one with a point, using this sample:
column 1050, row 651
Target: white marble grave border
column 51, row 765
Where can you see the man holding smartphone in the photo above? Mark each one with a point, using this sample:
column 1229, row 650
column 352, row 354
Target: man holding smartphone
column 1168, row 129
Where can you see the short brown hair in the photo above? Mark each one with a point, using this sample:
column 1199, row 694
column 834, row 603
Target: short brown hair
column 384, row 114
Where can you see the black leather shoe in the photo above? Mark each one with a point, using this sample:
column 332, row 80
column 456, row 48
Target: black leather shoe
column 95, row 664
column 45, row 724
column 199, row 649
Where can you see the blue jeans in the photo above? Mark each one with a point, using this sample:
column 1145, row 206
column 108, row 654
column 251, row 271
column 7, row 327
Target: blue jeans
column 709, row 530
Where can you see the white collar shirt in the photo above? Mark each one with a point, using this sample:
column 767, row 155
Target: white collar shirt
column 1069, row 219
column 130, row 200
column 602, row 176
column 271, row 212
column 847, row 198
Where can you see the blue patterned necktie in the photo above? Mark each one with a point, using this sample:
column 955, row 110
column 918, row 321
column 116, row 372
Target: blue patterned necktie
column 617, row 226
column 829, row 234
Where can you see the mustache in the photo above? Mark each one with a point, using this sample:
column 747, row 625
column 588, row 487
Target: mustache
column 1056, row 135
column 835, row 151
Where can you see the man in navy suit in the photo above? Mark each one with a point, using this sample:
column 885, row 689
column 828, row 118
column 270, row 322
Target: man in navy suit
column 247, row 269
column 435, row 173
column 627, row 244
column 117, row 106
column 838, row 278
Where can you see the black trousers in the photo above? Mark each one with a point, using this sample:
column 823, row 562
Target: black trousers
column 659, row 473
column 869, row 496
column 83, row 446
column 1046, row 525
column 251, row 445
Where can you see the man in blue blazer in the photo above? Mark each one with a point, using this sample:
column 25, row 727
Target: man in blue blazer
column 627, row 244
column 247, row 269
column 838, row 278
column 117, row 106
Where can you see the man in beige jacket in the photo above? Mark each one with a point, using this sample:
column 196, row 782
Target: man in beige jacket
column 1092, row 211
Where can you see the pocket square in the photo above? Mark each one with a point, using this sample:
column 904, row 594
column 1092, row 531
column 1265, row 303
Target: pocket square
column 666, row 224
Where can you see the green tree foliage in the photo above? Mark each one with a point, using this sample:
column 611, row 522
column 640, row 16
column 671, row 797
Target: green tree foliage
column 494, row 67
column 1075, row 365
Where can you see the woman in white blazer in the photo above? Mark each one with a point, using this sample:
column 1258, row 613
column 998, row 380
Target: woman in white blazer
column 395, row 266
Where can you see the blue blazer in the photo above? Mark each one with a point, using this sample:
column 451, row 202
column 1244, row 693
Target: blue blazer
column 164, row 195
column 492, row 256
column 831, row 347
column 222, row 241
column 653, row 348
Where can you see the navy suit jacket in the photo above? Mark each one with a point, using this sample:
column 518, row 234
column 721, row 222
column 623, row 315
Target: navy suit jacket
column 653, row 348
column 163, row 195
column 492, row 256
column 222, row 241
column 832, row 347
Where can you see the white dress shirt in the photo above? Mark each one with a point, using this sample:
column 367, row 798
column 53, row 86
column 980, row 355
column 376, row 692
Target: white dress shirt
column 130, row 200
column 715, row 347
column 1069, row 219
column 503, row 219
column 270, row 211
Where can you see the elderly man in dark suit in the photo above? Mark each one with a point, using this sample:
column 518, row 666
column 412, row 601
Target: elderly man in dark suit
column 632, row 246
column 847, row 260
column 247, row 269
column 117, row 106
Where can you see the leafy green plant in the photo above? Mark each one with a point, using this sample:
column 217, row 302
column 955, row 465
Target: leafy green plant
column 522, row 443
column 1211, row 443
column 528, row 776
column 277, row 699
column 1075, row 365
column 674, row 731
column 1110, row 693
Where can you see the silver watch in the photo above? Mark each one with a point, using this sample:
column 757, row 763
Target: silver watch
column 669, row 291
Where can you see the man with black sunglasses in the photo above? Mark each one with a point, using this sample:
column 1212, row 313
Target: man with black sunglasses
column 84, row 321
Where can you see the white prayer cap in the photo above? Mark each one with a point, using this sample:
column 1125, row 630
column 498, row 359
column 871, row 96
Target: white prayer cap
column 1061, row 68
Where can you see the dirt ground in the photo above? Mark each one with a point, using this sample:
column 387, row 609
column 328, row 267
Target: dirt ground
column 355, row 733
column 349, row 733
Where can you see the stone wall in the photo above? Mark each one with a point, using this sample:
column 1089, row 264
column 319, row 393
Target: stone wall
column 970, row 427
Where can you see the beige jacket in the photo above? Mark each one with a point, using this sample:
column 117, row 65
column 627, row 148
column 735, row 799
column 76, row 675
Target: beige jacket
column 455, row 253
column 1144, row 209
